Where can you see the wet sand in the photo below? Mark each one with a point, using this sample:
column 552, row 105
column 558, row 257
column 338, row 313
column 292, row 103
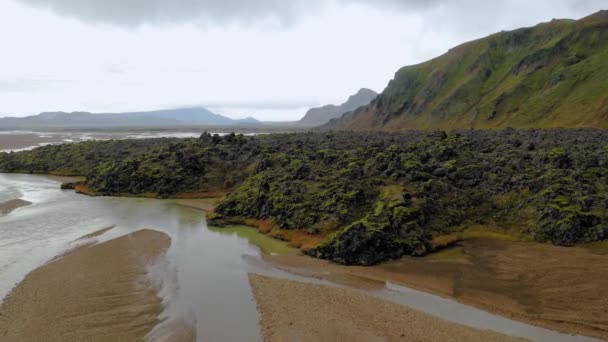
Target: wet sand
column 94, row 293
column 563, row 289
column 296, row 311
column 10, row 205
column 87, row 240
column 95, row 233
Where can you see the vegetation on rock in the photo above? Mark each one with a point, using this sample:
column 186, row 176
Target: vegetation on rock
column 372, row 196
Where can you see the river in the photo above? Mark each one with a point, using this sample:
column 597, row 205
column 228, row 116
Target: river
column 204, row 277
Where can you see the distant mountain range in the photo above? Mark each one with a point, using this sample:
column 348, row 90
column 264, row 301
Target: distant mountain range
column 554, row 74
column 159, row 118
column 322, row 115
column 181, row 117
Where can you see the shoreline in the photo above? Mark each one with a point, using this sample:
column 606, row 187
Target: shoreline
column 99, row 292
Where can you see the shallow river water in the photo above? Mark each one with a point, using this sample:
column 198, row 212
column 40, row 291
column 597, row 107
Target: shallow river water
column 204, row 277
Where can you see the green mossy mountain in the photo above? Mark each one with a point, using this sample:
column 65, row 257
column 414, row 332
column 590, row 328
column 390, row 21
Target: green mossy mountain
column 551, row 75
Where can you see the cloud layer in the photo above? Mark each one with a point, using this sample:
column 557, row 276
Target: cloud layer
column 137, row 12
column 283, row 13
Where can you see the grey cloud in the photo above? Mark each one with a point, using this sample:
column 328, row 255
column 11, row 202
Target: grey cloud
column 461, row 16
column 137, row 12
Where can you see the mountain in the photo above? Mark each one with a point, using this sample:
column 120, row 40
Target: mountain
column 321, row 115
column 554, row 74
column 159, row 118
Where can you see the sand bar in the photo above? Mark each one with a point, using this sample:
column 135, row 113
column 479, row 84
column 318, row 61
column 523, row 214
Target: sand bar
column 94, row 293
column 559, row 288
column 10, row 205
column 296, row 311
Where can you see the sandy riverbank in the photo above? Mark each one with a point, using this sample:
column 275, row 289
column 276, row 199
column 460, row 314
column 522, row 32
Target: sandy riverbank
column 94, row 293
column 564, row 289
column 296, row 311
column 10, row 205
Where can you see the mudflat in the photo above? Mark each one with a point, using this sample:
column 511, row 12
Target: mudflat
column 10, row 205
column 296, row 311
column 24, row 140
column 94, row 293
column 560, row 288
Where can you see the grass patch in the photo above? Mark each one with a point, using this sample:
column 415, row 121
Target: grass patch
column 294, row 238
column 447, row 254
column 265, row 243
column 598, row 247
column 216, row 196
column 297, row 238
column 477, row 232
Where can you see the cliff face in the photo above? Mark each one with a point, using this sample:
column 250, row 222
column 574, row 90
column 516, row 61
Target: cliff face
column 554, row 74
column 321, row 115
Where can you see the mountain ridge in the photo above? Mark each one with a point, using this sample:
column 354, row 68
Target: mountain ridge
column 549, row 75
column 176, row 117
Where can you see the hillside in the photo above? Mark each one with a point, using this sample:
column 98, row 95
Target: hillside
column 554, row 74
column 321, row 115
column 159, row 118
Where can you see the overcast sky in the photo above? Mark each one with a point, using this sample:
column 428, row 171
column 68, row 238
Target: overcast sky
column 267, row 58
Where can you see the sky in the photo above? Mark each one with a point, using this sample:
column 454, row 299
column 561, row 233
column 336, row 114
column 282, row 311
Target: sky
column 271, row 59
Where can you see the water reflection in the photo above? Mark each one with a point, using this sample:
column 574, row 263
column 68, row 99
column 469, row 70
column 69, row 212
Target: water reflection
column 205, row 276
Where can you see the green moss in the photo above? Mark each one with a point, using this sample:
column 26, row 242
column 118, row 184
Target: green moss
column 454, row 253
column 547, row 76
column 264, row 242
column 598, row 247
column 312, row 185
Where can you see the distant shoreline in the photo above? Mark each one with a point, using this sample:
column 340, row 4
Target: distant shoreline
column 24, row 140
column 271, row 127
